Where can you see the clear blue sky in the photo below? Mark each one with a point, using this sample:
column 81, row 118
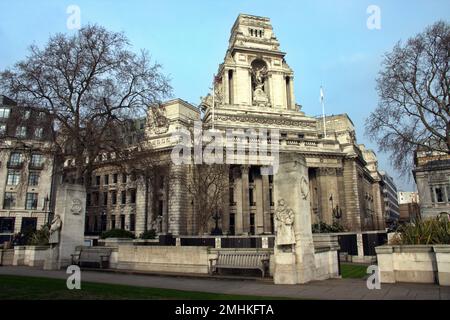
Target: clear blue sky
column 327, row 42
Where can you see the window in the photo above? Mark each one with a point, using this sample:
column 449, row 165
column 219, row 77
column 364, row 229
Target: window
column 160, row 208
column 13, row 178
column 271, row 196
column 115, row 178
column 250, row 197
column 124, row 178
column 7, row 225
column 439, row 194
column 95, row 196
column 133, row 196
column 33, row 178
column 9, row 201
column 122, row 221
column 37, row 160
column 15, row 158
column 113, row 222
column 123, row 196
column 21, row 132
column 38, row 133
column 31, row 201
column 97, row 180
column 448, row 193
column 2, row 129
column 88, row 200
column 105, row 198
column 252, row 223
column 161, row 182
column 4, row 113
column 106, row 179
column 132, row 222
column 232, row 224
column 232, row 203
column 113, row 197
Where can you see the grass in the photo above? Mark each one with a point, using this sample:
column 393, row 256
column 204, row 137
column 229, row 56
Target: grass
column 32, row 288
column 353, row 271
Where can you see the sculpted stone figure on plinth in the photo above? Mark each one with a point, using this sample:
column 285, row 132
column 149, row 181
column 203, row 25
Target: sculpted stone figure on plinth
column 285, row 224
column 55, row 230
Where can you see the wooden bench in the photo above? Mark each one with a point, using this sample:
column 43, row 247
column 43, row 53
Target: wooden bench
column 240, row 260
column 91, row 256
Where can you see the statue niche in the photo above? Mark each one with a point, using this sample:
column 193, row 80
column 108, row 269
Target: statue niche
column 259, row 84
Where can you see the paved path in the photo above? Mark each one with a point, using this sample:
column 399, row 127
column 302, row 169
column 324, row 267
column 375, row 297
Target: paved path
column 329, row 289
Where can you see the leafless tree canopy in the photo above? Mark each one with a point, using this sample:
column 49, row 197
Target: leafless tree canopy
column 91, row 83
column 414, row 98
column 208, row 186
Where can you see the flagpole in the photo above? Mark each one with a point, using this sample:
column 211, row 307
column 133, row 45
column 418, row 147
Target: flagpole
column 323, row 112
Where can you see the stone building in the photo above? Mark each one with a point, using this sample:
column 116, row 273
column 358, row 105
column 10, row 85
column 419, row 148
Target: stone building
column 26, row 170
column 253, row 89
column 432, row 176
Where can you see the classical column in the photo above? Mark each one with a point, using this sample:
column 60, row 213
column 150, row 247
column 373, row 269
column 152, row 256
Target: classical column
column 258, row 196
column 245, row 200
column 177, row 201
column 238, row 198
column 266, row 203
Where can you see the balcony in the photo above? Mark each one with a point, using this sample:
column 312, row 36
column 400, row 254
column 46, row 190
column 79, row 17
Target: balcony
column 35, row 166
column 14, row 165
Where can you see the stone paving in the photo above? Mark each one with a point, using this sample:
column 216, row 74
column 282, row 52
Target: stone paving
column 344, row 289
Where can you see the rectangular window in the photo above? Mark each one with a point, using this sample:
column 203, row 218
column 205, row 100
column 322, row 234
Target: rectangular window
column 38, row 133
column 115, row 178
column 95, row 196
column 250, row 197
column 21, row 132
column 160, row 208
column 113, row 197
column 4, row 113
column 439, row 194
column 123, row 196
column 122, row 221
column 105, row 198
column 88, row 199
column 97, row 180
column 113, row 222
column 133, row 196
column 16, row 158
column 33, row 178
column 132, row 222
column 9, row 201
column 13, row 178
column 232, row 203
column 31, row 201
column 37, row 160
column 7, row 225
column 124, row 178
column 106, row 179
column 271, row 196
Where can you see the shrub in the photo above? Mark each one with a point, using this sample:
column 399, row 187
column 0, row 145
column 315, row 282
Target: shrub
column 117, row 233
column 40, row 237
column 149, row 234
column 327, row 228
column 426, row 231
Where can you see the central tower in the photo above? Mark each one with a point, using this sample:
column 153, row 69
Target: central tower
column 254, row 74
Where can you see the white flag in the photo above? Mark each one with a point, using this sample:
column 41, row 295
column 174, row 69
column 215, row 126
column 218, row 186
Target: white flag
column 321, row 95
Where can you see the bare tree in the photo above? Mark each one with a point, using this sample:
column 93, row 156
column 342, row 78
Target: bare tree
column 414, row 98
column 208, row 185
column 90, row 83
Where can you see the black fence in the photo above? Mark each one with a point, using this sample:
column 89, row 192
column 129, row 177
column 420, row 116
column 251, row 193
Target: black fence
column 372, row 240
column 348, row 244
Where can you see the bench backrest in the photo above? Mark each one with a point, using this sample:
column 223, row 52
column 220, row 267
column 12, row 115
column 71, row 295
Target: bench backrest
column 93, row 254
column 242, row 259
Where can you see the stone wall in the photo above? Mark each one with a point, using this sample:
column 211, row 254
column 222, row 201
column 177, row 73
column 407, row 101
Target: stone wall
column 414, row 263
column 162, row 259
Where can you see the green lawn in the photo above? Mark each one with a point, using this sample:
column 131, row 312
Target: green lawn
column 18, row 288
column 354, row 271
